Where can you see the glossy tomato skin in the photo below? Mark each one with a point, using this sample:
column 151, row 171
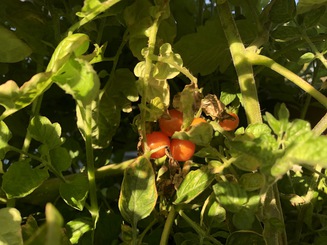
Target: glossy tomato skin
column 170, row 125
column 182, row 150
column 155, row 140
column 229, row 124
column 197, row 121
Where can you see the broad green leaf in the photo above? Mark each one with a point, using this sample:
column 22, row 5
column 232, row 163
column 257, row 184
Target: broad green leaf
column 247, row 162
column 282, row 11
column 78, row 228
column 285, row 33
column 226, row 98
column 60, row 159
column 21, row 179
column 117, row 96
column 252, row 181
column 10, row 232
column 230, row 195
column 274, row 124
column 14, row 98
column 209, row 152
column 78, row 78
column 298, row 130
column 243, row 219
column 75, row 44
column 312, row 17
column 5, row 136
column 41, row 129
column 12, row 49
column 29, row 228
column 307, row 5
column 195, row 182
column 245, row 237
column 212, row 212
column 74, row 192
column 200, row 134
column 138, row 195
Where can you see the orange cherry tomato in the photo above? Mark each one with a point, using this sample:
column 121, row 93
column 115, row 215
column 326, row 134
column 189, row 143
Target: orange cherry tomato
column 197, row 121
column 182, row 150
column 155, row 140
column 170, row 125
column 230, row 124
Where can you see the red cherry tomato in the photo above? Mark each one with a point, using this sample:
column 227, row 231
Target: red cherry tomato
column 197, row 121
column 182, row 150
column 170, row 125
column 230, row 124
column 155, row 140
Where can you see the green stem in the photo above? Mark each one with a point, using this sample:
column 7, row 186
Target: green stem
column 257, row 59
column 242, row 65
column 198, row 229
column 94, row 209
column 168, row 225
column 321, row 126
column 93, row 13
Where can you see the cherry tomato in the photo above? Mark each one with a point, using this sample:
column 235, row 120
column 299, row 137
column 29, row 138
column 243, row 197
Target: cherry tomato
column 155, row 140
column 182, row 150
column 197, row 121
column 230, row 124
column 170, row 125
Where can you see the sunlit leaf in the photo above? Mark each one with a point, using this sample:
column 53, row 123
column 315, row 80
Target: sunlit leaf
column 10, row 232
column 138, row 194
column 194, row 184
column 5, row 136
column 21, row 179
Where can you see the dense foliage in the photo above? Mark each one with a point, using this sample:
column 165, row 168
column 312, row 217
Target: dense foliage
column 91, row 152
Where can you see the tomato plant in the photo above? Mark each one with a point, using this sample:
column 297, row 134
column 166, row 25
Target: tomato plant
column 81, row 82
column 172, row 122
column 230, row 124
column 182, row 150
column 155, row 140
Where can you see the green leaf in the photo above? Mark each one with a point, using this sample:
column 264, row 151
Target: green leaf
column 78, row 78
column 247, row 162
column 307, row 5
column 230, row 195
column 245, row 237
column 107, row 111
column 252, row 181
column 306, row 58
column 10, row 232
column 312, row 17
column 78, row 227
column 195, row 182
column 21, row 179
column 60, row 159
column 200, row 134
column 138, row 193
column 14, row 98
column 285, row 33
column 41, row 129
column 282, row 11
column 12, row 49
column 75, row 44
column 212, row 212
column 243, row 219
column 5, row 136
column 75, row 191
column 274, row 124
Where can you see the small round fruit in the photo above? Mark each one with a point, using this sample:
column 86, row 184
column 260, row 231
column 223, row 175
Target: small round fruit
column 155, row 140
column 231, row 123
column 197, row 121
column 170, row 125
column 182, row 150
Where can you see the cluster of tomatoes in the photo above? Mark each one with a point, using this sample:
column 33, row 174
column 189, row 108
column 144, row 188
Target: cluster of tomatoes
column 181, row 150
